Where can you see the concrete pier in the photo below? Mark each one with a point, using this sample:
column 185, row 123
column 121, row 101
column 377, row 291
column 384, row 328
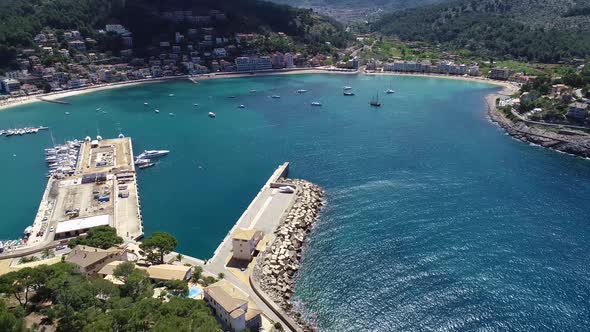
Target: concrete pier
column 263, row 213
column 102, row 191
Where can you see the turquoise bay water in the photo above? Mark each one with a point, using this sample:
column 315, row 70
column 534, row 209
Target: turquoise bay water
column 435, row 218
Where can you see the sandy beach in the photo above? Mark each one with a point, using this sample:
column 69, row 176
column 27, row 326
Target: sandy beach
column 509, row 87
column 12, row 102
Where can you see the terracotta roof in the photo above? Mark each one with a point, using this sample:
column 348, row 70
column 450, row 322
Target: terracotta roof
column 245, row 234
column 252, row 313
column 109, row 268
column 85, row 256
column 168, row 271
column 225, row 300
column 237, row 313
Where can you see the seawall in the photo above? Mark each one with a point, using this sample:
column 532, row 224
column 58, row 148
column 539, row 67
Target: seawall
column 276, row 267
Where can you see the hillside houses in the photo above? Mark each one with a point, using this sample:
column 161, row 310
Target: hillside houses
column 70, row 60
column 426, row 66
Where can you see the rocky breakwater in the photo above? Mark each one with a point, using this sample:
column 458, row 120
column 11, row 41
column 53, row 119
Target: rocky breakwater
column 277, row 266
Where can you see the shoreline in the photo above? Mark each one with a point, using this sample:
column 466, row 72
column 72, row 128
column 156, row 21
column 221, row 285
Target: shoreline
column 564, row 141
column 508, row 86
column 18, row 101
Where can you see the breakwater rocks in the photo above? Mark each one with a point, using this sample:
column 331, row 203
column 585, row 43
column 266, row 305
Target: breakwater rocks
column 563, row 140
column 276, row 266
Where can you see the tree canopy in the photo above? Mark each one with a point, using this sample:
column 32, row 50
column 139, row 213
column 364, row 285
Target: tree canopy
column 157, row 246
column 80, row 303
column 102, row 237
column 499, row 28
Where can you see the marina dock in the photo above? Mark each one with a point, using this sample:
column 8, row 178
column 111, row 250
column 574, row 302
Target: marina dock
column 100, row 190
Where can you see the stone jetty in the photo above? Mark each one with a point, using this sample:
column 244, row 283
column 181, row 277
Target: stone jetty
column 277, row 266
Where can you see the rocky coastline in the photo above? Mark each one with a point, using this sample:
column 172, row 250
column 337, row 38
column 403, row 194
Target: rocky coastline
column 563, row 140
column 276, row 267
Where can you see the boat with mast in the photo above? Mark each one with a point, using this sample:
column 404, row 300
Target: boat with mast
column 390, row 90
column 375, row 101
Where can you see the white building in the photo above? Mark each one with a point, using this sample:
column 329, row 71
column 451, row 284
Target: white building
column 253, row 63
column 231, row 306
column 289, row 60
column 75, row 227
column 10, row 85
column 117, row 28
column 219, row 52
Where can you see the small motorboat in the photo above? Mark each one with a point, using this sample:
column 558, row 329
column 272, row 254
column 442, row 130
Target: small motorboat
column 146, row 103
column 157, row 111
column 286, row 190
column 67, row 113
column 301, row 91
column 195, row 104
column 171, row 95
column 242, row 106
column 252, row 90
column 275, row 97
column 347, row 88
column 171, row 114
column 141, row 161
column 146, row 165
column 211, row 115
column 316, row 103
column 389, row 91
column 348, row 93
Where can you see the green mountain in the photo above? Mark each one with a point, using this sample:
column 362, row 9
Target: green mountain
column 23, row 19
column 539, row 30
column 350, row 10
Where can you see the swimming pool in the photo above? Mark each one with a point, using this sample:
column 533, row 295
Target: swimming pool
column 194, row 292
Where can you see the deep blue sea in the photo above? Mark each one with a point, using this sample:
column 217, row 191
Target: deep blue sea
column 435, row 220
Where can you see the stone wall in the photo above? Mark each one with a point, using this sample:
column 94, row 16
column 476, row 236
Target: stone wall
column 276, row 267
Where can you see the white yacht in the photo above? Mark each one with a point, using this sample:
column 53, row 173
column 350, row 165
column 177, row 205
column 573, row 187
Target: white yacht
column 275, row 97
column 389, row 91
column 347, row 88
column 146, row 103
column 301, row 91
column 211, row 115
column 157, row 111
column 316, row 103
column 152, row 154
column 242, row 106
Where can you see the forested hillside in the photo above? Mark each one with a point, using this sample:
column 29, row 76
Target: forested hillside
column 539, row 30
column 22, row 19
column 350, row 10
